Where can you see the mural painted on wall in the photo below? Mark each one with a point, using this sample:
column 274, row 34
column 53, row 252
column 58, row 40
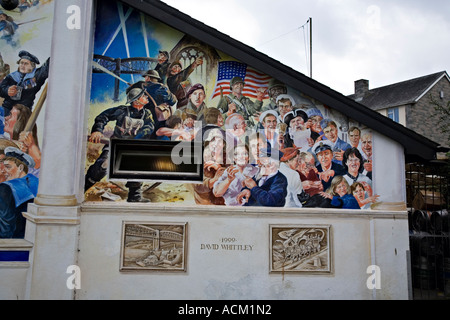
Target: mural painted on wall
column 25, row 41
column 265, row 144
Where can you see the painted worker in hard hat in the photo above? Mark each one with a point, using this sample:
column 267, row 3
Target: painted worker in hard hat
column 133, row 121
column 19, row 189
column 161, row 100
column 275, row 89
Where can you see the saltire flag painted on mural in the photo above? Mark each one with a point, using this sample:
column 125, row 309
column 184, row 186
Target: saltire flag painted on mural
column 253, row 79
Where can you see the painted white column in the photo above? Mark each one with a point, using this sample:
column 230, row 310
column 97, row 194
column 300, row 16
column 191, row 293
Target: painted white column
column 53, row 220
column 64, row 113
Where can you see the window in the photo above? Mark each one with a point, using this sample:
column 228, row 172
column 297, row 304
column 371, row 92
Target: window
column 392, row 114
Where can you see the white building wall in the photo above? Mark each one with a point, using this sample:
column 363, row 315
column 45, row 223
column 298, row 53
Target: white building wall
column 63, row 232
column 359, row 240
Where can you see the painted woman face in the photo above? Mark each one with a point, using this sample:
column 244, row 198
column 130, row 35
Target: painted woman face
column 353, row 163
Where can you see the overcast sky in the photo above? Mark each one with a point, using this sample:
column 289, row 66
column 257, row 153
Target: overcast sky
column 380, row 40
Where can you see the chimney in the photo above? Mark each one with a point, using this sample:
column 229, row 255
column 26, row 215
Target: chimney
column 361, row 89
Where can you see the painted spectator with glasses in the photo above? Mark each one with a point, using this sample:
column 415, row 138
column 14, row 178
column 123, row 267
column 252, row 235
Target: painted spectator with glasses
column 353, row 162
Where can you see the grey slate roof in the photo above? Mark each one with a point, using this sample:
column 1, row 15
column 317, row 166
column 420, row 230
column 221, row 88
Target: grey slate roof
column 401, row 93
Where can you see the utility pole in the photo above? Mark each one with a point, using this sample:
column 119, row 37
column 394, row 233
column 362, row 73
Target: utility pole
column 310, row 47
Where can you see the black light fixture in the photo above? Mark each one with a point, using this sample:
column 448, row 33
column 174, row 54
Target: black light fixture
column 155, row 160
column 9, row 4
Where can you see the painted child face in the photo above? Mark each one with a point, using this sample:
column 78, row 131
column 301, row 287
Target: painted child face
column 341, row 189
column 358, row 193
column 176, row 69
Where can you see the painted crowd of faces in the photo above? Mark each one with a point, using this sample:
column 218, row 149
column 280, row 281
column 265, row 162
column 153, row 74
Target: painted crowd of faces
column 25, row 42
column 265, row 144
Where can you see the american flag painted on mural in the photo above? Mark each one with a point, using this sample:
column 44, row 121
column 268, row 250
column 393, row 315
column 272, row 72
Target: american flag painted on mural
column 252, row 78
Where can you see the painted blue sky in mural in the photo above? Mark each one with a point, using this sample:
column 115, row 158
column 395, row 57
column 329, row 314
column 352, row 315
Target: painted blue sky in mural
column 119, row 33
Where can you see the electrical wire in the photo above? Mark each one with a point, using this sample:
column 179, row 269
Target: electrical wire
column 305, row 38
column 285, row 34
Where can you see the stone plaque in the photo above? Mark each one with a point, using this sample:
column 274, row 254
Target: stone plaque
column 300, row 248
column 153, row 246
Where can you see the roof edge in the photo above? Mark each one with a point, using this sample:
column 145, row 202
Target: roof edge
column 412, row 142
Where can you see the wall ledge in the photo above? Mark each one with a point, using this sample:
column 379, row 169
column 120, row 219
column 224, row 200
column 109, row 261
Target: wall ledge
column 54, row 220
column 121, row 208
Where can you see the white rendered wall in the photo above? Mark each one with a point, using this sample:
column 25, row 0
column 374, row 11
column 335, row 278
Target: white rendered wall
column 359, row 239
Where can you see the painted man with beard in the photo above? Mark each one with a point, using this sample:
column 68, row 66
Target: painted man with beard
column 297, row 134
